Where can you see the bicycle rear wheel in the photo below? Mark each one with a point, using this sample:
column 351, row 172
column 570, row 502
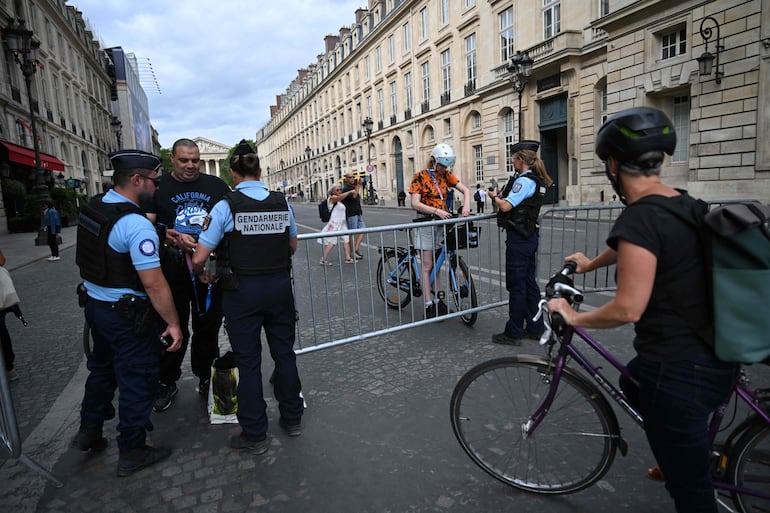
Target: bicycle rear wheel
column 570, row 450
column 394, row 278
column 464, row 291
column 750, row 468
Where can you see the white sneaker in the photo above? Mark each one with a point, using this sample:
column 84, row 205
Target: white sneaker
column 12, row 375
column 50, row 259
column 56, row 258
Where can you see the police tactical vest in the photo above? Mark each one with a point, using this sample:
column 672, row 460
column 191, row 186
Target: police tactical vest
column 98, row 262
column 259, row 242
column 522, row 218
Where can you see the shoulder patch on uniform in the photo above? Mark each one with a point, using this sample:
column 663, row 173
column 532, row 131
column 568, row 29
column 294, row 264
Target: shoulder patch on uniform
column 147, row 247
column 517, row 187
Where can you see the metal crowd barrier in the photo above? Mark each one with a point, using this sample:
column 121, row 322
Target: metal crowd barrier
column 9, row 428
column 342, row 304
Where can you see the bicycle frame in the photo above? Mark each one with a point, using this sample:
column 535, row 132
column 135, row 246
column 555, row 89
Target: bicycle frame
column 567, row 349
column 411, row 260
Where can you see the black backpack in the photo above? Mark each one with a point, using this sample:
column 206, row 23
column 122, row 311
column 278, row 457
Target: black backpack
column 323, row 211
column 477, row 196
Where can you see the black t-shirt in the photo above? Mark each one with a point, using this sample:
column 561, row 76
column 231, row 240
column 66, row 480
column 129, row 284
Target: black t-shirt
column 352, row 203
column 663, row 332
column 184, row 205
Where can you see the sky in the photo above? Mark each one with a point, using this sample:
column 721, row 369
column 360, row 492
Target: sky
column 219, row 64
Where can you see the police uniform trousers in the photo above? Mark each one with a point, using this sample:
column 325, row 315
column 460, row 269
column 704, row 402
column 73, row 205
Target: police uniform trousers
column 521, row 283
column 188, row 302
column 120, row 359
column 263, row 301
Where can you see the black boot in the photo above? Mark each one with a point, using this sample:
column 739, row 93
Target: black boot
column 90, row 439
column 136, row 459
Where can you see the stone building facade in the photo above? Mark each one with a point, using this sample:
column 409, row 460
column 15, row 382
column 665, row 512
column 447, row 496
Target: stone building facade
column 436, row 71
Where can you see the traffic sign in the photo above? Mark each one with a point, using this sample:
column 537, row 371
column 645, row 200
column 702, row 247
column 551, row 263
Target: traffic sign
column 369, row 168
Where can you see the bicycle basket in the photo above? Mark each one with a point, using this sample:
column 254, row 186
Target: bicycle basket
column 462, row 235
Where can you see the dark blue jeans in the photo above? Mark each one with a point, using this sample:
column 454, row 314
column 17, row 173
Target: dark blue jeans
column 122, row 360
column 676, row 400
column 264, row 301
column 521, row 283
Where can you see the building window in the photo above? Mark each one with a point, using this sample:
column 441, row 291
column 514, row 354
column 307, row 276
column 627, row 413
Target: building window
column 378, row 59
column 447, row 127
column 381, row 104
column 470, row 3
column 446, row 68
column 393, row 99
column 425, row 81
column 444, row 12
column 392, row 47
column 476, row 121
column 367, row 70
column 604, row 7
column 431, row 134
column 470, row 59
column 551, row 18
column 408, row 90
column 407, row 37
column 603, row 103
column 506, row 35
column 424, row 23
column 508, row 128
column 673, row 43
column 369, row 107
column 478, row 163
column 681, row 120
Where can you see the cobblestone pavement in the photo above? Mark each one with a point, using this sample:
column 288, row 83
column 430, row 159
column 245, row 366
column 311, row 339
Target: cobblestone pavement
column 376, row 434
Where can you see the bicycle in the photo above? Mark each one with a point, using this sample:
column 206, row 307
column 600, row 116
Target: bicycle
column 517, row 418
column 398, row 271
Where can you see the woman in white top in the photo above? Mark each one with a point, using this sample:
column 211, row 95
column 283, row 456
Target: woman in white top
column 337, row 222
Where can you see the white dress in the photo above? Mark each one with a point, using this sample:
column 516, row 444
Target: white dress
column 337, row 222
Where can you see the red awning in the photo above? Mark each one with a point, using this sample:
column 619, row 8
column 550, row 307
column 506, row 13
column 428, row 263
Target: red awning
column 25, row 156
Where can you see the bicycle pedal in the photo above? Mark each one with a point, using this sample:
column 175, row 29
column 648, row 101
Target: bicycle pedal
column 463, row 291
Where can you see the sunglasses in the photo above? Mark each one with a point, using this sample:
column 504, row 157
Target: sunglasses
column 155, row 180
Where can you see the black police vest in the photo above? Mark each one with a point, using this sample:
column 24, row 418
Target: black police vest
column 522, row 218
column 98, row 262
column 259, row 242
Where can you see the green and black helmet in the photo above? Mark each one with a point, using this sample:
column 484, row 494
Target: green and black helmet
column 634, row 132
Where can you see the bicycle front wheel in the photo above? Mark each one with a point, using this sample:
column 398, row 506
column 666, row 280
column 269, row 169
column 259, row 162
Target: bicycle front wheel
column 571, row 449
column 750, row 469
column 394, row 278
column 464, row 291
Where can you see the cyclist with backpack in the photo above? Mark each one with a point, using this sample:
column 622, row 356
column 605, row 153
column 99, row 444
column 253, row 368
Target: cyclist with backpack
column 429, row 190
column 661, row 285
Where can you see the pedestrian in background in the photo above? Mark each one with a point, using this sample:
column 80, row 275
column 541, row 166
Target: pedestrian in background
column 519, row 206
column 123, row 293
column 336, row 223
column 401, row 198
column 254, row 266
column 481, row 198
column 353, row 212
column 184, row 199
column 429, row 191
column 52, row 223
column 493, row 189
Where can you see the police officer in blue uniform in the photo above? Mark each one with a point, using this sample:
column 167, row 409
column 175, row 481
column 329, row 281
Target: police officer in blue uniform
column 123, row 293
column 518, row 209
column 254, row 234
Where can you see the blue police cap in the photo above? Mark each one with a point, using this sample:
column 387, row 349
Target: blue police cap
column 127, row 160
column 525, row 144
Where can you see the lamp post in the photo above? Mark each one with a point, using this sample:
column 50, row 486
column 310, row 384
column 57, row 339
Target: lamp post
column 368, row 123
column 24, row 47
column 520, row 70
column 706, row 59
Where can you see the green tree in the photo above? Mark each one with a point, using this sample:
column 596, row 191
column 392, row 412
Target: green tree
column 224, row 169
column 165, row 158
column 14, row 193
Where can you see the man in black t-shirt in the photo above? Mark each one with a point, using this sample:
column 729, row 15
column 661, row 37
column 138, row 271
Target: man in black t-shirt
column 182, row 203
column 354, row 212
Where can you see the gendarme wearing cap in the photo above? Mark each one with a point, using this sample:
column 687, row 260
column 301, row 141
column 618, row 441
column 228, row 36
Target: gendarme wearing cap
column 525, row 144
column 129, row 160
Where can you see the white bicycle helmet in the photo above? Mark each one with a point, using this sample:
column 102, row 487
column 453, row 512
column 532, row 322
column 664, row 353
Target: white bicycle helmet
column 444, row 155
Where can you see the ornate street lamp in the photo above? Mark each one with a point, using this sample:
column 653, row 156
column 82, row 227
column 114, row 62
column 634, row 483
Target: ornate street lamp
column 706, row 59
column 520, row 70
column 21, row 42
column 368, row 124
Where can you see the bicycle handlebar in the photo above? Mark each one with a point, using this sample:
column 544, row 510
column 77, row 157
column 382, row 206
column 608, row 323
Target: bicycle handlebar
column 561, row 286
